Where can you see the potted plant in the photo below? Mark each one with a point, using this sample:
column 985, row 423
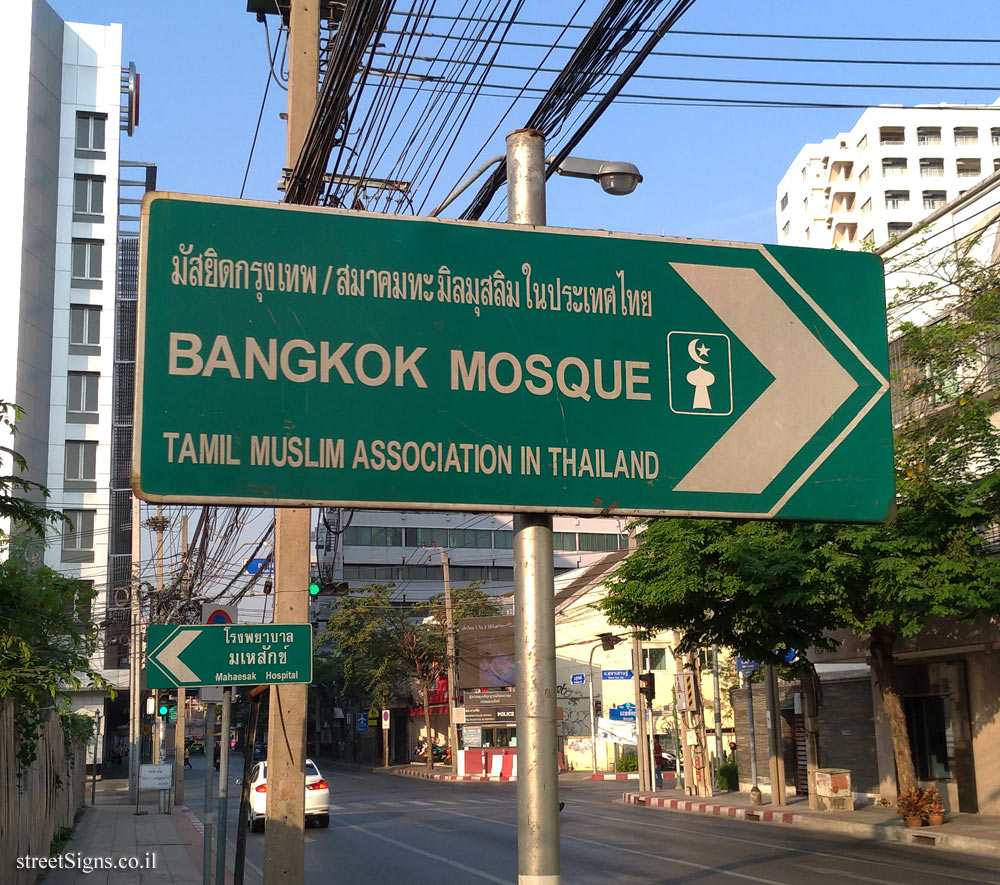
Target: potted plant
column 911, row 806
column 933, row 807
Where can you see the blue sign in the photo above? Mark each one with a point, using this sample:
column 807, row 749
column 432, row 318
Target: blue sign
column 578, row 679
column 361, row 723
column 623, row 713
column 256, row 566
column 789, row 655
column 616, row 674
column 744, row 666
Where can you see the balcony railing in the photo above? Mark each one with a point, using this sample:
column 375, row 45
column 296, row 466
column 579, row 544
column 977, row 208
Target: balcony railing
column 928, row 139
column 890, row 171
column 932, row 171
column 896, row 204
column 933, row 204
column 966, row 139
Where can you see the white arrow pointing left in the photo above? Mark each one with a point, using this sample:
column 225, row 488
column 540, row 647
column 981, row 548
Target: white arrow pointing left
column 169, row 658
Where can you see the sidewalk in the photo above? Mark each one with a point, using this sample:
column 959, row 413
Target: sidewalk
column 162, row 848
column 968, row 833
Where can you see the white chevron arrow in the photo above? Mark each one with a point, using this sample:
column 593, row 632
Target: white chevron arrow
column 168, row 658
column 809, row 384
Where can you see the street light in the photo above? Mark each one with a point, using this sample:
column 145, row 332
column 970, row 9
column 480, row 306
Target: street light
column 617, row 178
column 607, row 642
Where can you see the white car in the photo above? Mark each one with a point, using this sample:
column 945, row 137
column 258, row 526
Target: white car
column 317, row 797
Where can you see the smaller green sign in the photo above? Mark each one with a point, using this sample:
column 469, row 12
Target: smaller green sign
column 228, row 654
column 172, row 714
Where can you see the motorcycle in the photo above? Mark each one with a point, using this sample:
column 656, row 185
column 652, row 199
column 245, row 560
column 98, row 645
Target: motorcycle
column 439, row 754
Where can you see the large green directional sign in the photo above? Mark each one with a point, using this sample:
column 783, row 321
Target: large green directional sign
column 292, row 355
column 228, row 654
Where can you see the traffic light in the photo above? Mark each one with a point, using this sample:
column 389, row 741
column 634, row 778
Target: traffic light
column 328, row 588
column 598, row 708
column 162, row 704
column 647, row 687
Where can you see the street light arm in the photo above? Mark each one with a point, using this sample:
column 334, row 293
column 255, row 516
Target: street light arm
column 464, row 186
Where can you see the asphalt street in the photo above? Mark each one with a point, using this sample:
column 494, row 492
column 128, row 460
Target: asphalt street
column 390, row 829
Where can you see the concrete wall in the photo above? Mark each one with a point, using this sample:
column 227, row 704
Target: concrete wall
column 847, row 731
column 983, row 675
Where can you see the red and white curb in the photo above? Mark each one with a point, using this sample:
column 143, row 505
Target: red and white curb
column 409, row 772
column 731, row 811
column 193, row 819
column 620, row 776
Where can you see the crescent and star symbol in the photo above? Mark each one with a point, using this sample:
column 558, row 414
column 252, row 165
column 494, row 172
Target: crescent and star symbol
column 698, row 354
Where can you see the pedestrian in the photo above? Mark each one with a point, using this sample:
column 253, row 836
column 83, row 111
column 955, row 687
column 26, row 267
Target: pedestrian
column 187, row 757
column 658, row 761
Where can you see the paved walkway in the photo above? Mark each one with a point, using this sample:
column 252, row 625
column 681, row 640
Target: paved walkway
column 150, row 847
column 969, row 833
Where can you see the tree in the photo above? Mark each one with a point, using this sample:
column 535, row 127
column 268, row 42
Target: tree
column 21, row 511
column 46, row 640
column 758, row 587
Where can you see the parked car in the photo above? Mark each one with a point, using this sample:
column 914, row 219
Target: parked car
column 317, row 797
column 196, row 748
column 259, row 750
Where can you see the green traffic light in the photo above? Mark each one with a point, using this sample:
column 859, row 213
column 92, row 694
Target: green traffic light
column 314, row 589
column 164, row 709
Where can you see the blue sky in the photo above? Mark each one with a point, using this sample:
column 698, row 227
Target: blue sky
column 709, row 172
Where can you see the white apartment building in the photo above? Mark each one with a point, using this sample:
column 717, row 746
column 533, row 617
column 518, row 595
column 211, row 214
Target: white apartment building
column 895, row 166
column 68, row 102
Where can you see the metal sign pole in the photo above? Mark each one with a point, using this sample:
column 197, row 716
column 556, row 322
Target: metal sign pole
column 220, row 841
column 206, row 856
column 538, row 860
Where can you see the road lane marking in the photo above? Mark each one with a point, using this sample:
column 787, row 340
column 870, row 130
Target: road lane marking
column 841, row 874
column 618, row 849
column 438, row 857
column 758, row 843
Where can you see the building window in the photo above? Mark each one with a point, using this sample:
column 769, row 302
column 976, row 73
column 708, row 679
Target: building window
column 864, row 175
column 784, row 202
column 995, row 135
column 892, row 166
column 78, row 537
column 81, row 402
column 564, row 541
column 966, row 135
column 805, row 204
column 928, row 135
column 594, row 541
column 375, row 536
column 898, row 227
column 88, row 198
column 996, row 165
column 897, row 199
column 863, row 143
column 969, row 167
column 81, row 466
column 867, row 207
column 890, row 135
column 928, row 721
column 934, row 199
column 807, row 233
column 785, row 229
column 90, row 135
column 654, row 659
column 503, row 539
column 474, row 538
column 86, row 270
column 84, row 329
column 932, row 167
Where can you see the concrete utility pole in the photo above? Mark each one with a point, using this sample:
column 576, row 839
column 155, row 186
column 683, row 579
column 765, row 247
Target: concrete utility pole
column 755, row 798
column 180, row 726
column 159, row 752
column 452, row 669
column 775, row 745
column 93, row 768
column 810, row 716
column 645, row 775
column 220, row 840
column 719, row 750
column 206, row 848
column 134, row 661
column 284, row 833
column 538, row 861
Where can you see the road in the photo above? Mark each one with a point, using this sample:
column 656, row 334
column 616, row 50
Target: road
column 390, row 829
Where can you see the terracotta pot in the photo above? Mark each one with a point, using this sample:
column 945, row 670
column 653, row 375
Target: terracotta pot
column 914, row 821
column 935, row 820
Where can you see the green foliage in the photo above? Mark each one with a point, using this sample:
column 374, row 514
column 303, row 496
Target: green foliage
column 78, row 729
column 727, row 776
column 376, row 646
column 24, row 514
column 466, row 602
column 628, row 761
column 46, row 640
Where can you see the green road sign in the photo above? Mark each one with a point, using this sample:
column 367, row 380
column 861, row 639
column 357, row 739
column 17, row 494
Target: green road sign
column 293, row 355
column 228, row 654
column 172, row 714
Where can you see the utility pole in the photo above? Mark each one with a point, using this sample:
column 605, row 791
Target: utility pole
column 134, row 661
column 159, row 524
column 810, row 716
column 538, row 858
column 452, row 669
column 93, row 768
column 775, row 745
column 284, row 834
column 180, row 727
column 645, row 779
column 755, row 798
column 719, row 751
column 220, row 840
column 206, row 849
